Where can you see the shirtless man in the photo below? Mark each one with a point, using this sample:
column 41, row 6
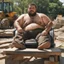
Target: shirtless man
column 32, row 25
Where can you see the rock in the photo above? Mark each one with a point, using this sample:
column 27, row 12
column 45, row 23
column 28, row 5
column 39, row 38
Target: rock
column 56, row 30
column 62, row 21
column 58, row 33
column 61, row 29
column 60, row 37
column 56, row 24
column 58, row 43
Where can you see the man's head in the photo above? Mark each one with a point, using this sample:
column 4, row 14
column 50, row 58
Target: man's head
column 32, row 9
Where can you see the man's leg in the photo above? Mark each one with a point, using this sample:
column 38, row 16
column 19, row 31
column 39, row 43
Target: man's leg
column 19, row 39
column 43, row 42
column 18, row 42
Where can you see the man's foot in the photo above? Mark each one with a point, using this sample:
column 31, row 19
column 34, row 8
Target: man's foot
column 44, row 45
column 17, row 45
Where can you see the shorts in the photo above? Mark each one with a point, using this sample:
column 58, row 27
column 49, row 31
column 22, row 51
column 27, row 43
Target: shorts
column 34, row 34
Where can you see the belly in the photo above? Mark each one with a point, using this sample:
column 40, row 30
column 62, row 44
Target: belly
column 32, row 26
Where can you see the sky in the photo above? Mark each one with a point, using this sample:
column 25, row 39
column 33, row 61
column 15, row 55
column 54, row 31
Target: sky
column 62, row 1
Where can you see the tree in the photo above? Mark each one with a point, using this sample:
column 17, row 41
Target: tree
column 20, row 6
column 50, row 7
column 55, row 8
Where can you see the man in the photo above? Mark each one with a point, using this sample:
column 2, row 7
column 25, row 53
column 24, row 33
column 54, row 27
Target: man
column 32, row 25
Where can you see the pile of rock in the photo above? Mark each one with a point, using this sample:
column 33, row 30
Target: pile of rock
column 59, row 31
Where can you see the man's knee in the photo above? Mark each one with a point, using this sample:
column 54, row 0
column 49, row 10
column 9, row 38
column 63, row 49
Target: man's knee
column 44, row 45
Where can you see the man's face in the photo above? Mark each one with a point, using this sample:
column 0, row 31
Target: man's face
column 32, row 10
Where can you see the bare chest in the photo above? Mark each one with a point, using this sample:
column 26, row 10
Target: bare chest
column 36, row 19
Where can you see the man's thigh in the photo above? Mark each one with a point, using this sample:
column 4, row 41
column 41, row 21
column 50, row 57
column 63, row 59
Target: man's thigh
column 42, row 39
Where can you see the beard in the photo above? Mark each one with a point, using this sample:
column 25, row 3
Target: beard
column 30, row 14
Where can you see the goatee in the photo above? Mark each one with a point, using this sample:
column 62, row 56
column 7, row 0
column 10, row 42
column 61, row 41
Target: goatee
column 32, row 14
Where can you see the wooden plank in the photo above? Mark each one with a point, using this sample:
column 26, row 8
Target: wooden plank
column 30, row 50
column 7, row 32
column 5, row 40
column 4, row 46
column 18, row 54
column 33, row 52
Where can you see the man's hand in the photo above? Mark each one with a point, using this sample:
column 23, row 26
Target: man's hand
column 44, row 33
column 20, row 30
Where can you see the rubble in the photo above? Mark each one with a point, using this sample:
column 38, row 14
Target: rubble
column 59, row 31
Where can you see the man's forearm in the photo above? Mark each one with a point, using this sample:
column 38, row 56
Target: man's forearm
column 17, row 25
column 48, row 27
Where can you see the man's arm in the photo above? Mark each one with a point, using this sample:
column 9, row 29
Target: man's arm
column 48, row 24
column 18, row 23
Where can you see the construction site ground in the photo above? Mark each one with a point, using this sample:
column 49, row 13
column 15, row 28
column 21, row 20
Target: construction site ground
column 4, row 44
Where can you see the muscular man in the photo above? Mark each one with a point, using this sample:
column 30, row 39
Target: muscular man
column 32, row 25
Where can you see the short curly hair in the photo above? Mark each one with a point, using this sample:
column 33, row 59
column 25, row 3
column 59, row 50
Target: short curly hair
column 32, row 4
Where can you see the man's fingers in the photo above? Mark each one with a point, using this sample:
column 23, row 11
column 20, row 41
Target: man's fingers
column 38, row 36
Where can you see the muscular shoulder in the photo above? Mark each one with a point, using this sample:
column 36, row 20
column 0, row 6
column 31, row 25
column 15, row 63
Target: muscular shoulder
column 45, row 18
column 21, row 17
column 41, row 15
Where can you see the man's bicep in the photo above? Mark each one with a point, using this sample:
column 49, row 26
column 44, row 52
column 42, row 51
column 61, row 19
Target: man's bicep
column 46, row 19
column 20, row 19
column 48, row 22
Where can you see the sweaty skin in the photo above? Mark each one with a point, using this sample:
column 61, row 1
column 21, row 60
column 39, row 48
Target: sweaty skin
column 27, row 23
column 32, row 26
column 33, row 20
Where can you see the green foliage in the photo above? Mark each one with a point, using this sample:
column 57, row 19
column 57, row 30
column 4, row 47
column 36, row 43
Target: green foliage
column 55, row 8
column 50, row 7
column 55, row 1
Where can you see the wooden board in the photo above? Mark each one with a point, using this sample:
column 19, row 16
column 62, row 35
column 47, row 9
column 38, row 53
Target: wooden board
column 7, row 32
column 5, row 40
column 18, row 55
column 33, row 52
column 4, row 46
